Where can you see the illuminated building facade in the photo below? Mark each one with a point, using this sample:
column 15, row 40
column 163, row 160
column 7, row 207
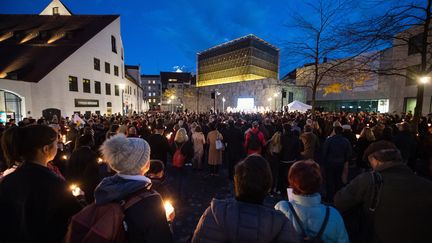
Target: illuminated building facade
column 243, row 59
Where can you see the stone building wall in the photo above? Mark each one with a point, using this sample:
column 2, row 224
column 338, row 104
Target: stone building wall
column 260, row 90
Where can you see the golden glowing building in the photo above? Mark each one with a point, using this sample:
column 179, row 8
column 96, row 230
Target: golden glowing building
column 243, row 59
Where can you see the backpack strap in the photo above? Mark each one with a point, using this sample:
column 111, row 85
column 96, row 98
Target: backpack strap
column 377, row 184
column 126, row 204
column 324, row 224
column 297, row 219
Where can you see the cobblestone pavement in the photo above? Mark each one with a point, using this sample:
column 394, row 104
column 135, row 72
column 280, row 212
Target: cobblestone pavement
column 199, row 189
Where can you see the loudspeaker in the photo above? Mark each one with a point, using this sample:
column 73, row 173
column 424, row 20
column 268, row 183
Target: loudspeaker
column 213, row 95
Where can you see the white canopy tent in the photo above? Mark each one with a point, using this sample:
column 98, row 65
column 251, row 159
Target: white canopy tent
column 298, row 106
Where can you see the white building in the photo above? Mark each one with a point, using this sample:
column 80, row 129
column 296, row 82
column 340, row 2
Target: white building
column 60, row 62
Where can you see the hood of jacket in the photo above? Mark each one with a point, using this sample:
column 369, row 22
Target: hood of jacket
column 246, row 222
column 116, row 188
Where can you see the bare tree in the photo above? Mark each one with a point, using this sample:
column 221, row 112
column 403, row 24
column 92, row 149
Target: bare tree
column 323, row 43
column 406, row 27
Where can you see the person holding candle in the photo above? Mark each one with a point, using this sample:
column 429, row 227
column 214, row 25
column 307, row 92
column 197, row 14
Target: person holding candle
column 35, row 204
column 130, row 158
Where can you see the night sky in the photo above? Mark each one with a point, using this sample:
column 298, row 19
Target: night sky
column 162, row 34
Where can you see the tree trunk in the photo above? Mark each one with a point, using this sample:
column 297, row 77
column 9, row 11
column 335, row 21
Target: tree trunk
column 424, row 52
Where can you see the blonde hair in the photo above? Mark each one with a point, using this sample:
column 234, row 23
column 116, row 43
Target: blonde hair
column 275, row 143
column 181, row 136
column 368, row 134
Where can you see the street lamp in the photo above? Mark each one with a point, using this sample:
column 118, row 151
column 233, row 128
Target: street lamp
column 223, row 104
column 122, row 87
column 423, row 80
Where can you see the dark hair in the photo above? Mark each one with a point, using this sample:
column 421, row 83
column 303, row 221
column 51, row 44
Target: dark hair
column 305, row 177
column 198, row 129
column 338, row 130
column 307, row 128
column 156, row 166
column 252, row 179
column 20, row 144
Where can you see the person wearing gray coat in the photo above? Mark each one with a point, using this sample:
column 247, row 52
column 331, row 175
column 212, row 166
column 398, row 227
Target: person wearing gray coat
column 245, row 218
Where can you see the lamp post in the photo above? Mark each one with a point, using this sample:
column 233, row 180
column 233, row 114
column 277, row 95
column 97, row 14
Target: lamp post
column 122, row 87
column 223, row 104
column 423, row 80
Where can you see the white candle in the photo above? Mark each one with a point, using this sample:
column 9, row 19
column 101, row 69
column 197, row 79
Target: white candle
column 169, row 209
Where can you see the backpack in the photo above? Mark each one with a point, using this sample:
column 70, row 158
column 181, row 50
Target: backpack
column 179, row 158
column 102, row 223
column 254, row 141
column 308, row 239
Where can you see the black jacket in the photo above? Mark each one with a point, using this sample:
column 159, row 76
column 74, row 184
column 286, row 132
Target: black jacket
column 83, row 169
column 234, row 137
column 404, row 208
column 159, row 147
column 35, row 205
column 292, row 147
column 146, row 220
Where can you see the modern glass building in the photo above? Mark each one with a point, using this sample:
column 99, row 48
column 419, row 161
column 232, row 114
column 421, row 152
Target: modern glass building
column 243, row 59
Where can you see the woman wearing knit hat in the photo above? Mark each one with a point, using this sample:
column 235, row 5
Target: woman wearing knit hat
column 310, row 217
column 130, row 158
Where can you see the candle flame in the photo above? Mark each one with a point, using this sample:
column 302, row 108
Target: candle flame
column 169, row 209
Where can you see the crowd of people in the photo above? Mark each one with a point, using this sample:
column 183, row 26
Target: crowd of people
column 340, row 177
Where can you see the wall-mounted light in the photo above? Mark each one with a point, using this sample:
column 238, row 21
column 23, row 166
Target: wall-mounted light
column 6, row 36
column 30, row 36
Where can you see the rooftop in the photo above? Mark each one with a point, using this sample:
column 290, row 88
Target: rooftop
column 27, row 40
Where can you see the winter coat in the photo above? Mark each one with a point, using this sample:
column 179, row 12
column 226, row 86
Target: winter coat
column 312, row 213
column 291, row 148
column 404, row 209
column 214, row 156
column 234, row 221
column 83, row 169
column 35, row 205
column 146, row 220
column 260, row 137
column 159, row 147
column 336, row 150
column 407, row 144
column 310, row 145
column 233, row 137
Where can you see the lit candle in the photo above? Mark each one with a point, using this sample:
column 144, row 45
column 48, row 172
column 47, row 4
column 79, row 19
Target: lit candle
column 357, row 136
column 367, row 125
column 429, row 124
column 169, row 209
column 168, row 136
column 100, row 160
column 64, row 157
column 76, row 191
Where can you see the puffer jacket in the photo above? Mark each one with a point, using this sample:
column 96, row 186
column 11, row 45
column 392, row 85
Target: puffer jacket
column 234, row 221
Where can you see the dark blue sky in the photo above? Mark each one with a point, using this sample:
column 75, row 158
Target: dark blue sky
column 162, row 34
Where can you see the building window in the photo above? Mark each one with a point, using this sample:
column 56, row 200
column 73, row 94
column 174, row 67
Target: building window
column 412, row 75
column 122, row 53
column 149, row 94
column 108, row 89
column 154, row 94
column 55, row 10
column 149, row 82
column 415, row 44
column 86, row 85
column 149, row 88
column 116, row 70
column 134, row 92
column 172, row 80
column 107, row 67
column 154, row 82
column 96, row 63
column 73, row 83
column 113, row 44
column 97, row 87
column 116, row 90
